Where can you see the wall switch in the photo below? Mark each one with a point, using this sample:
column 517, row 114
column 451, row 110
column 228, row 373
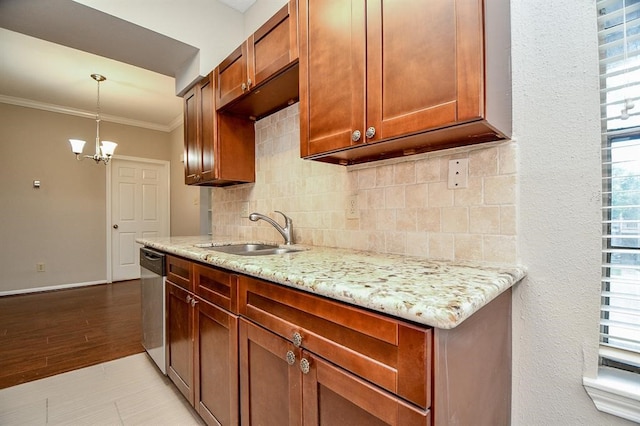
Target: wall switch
column 244, row 209
column 458, row 173
column 40, row 267
column 352, row 207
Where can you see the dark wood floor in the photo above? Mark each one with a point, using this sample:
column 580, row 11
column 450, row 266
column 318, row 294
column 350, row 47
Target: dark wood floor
column 43, row 334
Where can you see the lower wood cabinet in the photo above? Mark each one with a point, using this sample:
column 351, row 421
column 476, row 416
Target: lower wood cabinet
column 202, row 357
column 284, row 385
column 247, row 351
column 392, row 354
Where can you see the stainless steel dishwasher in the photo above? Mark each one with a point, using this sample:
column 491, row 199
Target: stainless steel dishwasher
column 152, row 283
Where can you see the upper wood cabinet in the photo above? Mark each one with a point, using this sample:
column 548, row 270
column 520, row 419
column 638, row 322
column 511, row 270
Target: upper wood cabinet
column 413, row 76
column 199, row 128
column 219, row 149
column 268, row 55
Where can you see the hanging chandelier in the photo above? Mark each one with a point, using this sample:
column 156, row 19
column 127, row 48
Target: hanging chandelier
column 104, row 149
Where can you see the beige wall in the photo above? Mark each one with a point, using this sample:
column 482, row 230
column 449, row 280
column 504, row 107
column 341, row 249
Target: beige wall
column 185, row 214
column 404, row 205
column 62, row 224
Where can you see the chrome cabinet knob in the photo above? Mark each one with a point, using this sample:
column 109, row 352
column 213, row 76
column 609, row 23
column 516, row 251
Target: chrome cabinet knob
column 188, row 299
column 249, row 83
column 355, row 136
column 371, row 132
column 291, row 358
column 297, row 339
column 305, row 366
column 244, row 86
column 193, row 301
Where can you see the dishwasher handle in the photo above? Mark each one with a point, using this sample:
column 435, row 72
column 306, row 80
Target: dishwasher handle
column 151, row 256
column 153, row 261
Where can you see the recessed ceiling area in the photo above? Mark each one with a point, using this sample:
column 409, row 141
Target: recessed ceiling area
column 48, row 49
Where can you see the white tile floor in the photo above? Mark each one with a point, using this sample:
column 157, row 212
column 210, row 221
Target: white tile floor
column 127, row 391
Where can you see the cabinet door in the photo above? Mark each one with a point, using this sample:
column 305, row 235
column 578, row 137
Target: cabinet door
column 180, row 339
column 274, row 46
column 426, row 78
column 333, row 396
column 192, row 148
column 332, row 74
column 231, row 76
column 271, row 387
column 216, row 364
column 199, row 132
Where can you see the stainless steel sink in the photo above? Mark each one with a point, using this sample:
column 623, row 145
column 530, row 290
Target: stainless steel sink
column 251, row 249
column 264, row 252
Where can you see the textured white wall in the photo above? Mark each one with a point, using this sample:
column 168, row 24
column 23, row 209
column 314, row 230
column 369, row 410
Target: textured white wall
column 556, row 126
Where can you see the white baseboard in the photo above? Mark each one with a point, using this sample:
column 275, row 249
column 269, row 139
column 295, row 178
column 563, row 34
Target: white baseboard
column 50, row 288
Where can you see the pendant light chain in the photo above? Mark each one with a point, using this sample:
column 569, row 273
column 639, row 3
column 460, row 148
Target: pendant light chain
column 98, row 117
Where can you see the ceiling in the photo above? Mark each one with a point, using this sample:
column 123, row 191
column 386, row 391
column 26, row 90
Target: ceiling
column 49, row 49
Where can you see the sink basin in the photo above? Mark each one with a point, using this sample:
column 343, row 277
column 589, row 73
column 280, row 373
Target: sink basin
column 251, row 249
column 264, row 252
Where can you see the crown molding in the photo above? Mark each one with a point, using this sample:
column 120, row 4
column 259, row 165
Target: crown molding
column 92, row 115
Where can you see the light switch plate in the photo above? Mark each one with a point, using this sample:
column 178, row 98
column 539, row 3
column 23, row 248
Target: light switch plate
column 458, row 173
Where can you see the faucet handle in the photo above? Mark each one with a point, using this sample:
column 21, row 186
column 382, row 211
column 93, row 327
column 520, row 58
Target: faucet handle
column 286, row 218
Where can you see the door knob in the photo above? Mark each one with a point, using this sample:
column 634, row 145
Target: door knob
column 115, row 226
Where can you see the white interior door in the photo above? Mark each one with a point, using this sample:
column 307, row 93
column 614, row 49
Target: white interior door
column 139, row 208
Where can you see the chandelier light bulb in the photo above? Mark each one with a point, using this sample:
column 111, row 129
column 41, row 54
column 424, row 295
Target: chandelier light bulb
column 108, row 148
column 77, row 145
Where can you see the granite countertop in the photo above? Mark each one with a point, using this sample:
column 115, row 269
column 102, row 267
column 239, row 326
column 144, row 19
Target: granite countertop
column 440, row 294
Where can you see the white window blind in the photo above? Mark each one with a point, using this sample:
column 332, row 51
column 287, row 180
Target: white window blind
column 619, row 41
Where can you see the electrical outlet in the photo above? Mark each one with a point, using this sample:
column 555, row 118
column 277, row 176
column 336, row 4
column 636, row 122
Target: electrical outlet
column 40, row 267
column 244, row 209
column 352, row 207
column 458, row 173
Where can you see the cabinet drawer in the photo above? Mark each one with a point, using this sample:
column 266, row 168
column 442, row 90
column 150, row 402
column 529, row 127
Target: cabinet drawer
column 392, row 354
column 179, row 272
column 216, row 286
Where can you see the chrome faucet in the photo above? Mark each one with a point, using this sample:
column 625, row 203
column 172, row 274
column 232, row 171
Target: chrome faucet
column 286, row 231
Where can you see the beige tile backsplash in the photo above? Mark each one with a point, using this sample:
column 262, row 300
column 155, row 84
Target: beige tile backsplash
column 404, row 204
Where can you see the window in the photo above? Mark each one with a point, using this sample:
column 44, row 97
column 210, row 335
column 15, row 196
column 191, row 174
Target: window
column 616, row 389
column 619, row 41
